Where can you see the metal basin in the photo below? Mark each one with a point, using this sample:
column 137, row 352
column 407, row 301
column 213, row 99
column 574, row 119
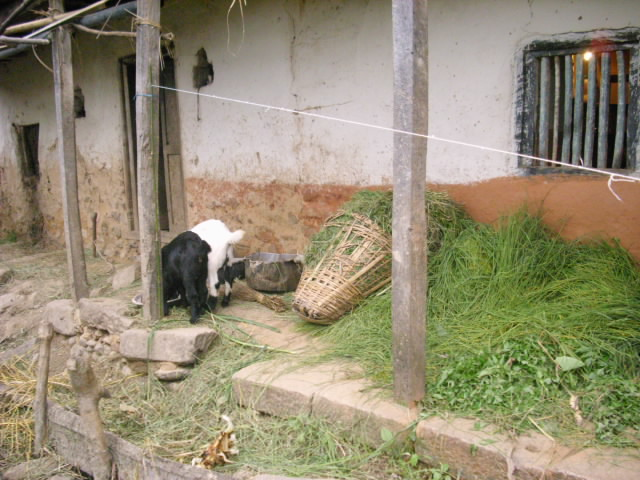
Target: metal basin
column 273, row 272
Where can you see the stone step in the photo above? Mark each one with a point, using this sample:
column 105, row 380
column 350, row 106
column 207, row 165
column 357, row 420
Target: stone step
column 474, row 450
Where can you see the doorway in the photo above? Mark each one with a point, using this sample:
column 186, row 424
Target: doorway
column 171, row 204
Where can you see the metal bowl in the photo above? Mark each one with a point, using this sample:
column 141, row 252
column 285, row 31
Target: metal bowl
column 273, row 272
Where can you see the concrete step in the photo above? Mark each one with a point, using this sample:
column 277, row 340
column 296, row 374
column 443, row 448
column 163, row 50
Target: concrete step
column 473, row 450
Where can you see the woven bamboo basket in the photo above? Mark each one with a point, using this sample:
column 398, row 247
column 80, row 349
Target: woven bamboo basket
column 357, row 263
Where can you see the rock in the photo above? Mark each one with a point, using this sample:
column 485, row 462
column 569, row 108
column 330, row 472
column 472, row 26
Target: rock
column 170, row 372
column 9, row 302
column 125, row 276
column 108, row 314
column 31, row 469
column 6, row 274
column 179, row 345
column 61, row 315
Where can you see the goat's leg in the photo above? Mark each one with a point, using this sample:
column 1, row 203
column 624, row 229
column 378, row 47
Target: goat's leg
column 193, row 299
column 227, row 294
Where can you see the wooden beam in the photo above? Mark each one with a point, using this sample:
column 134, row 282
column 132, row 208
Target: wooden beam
column 148, row 144
column 65, row 124
column 409, row 267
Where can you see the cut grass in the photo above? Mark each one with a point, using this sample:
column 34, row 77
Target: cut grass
column 504, row 305
column 443, row 215
column 179, row 423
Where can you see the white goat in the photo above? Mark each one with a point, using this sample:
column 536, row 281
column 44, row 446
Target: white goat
column 221, row 241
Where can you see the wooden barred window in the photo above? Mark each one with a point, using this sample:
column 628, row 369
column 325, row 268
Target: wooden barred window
column 580, row 101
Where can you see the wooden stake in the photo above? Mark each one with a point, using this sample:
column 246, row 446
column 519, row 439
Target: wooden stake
column 45, row 335
column 89, row 392
column 65, row 122
column 409, row 268
column 148, row 136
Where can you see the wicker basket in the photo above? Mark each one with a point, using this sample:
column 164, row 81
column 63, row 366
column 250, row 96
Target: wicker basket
column 356, row 264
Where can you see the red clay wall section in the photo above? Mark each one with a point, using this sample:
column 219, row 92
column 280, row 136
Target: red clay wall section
column 282, row 218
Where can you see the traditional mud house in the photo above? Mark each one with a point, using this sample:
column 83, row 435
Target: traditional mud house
column 503, row 74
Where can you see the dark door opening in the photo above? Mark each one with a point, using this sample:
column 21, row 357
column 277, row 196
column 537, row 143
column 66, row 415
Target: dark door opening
column 170, row 184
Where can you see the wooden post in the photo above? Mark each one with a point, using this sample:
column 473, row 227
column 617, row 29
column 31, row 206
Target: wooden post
column 409, row 221
column 45, row 335
column 89, row 392
column 148, row 128
column 65, row 123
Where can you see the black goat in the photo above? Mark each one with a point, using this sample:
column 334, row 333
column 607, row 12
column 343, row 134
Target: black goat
column 184, row 272
column 227, row 274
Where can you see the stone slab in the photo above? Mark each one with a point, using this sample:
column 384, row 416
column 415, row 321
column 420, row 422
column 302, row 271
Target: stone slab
column 278, row 388
column 182, row 346
column 108, row 314
column 61, row 315
column 357, row 406
column 482, row 453
column 323, row 390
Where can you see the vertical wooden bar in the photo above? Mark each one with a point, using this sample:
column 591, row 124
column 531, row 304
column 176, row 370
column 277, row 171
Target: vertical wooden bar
column 527, row 115
column 66, row 131
column 603, row 114
column 555, row 145
column 543, row 126
column 148, row 144
column 131, row 188
column 618, row 145
column 410, row 53
column 589, row 129
column 45, row 335
column 578, row 112
column 633, row 113
column 567, row 119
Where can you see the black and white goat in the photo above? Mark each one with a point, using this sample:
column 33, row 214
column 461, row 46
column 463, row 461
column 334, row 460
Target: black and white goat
column 184, row 272
column 227, row 274
column 221, row 241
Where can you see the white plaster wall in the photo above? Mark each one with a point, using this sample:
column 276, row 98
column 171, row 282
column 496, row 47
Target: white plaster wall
column 26, row 97
column 325, row 57
column 335, row 58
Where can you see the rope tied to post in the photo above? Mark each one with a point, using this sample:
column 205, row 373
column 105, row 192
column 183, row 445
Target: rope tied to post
column 146, row 21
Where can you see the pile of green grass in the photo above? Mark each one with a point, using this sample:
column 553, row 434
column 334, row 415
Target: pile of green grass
column 443, row 215
column 519, row 323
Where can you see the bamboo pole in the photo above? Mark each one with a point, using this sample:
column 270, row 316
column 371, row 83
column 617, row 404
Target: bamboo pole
column 148, row 143
column 409, row 265
column 56, row 18
column 26, row 41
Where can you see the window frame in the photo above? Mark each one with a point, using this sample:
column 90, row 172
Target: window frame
column 527, row 88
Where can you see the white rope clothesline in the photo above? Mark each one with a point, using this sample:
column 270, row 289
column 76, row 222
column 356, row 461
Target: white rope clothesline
column 613, row 177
